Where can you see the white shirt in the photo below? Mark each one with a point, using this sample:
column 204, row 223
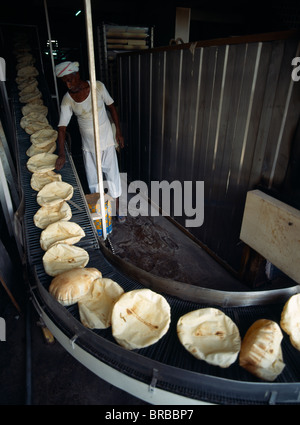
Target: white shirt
column 84, row 114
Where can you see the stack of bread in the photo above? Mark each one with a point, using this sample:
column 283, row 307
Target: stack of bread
column 59, row 235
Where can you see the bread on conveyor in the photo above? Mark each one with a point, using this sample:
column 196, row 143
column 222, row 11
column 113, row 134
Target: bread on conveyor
column 32, row 118
column 34, row 150
column 27, row 71
column 24, row 60
column 70, row 286
column 39, row 180
column 261, row 352
column 47, row 215
column 44, row 137
column 42, row 162
column 30, row 87
column 34, row 122
column 54, row 193
column 25, row 82
column 96, row 307
column 33, row 107
column 62, row 257
column 61, row 231
column 140, row 318
column 210, row 335
column 290, row 320
column 30, row 97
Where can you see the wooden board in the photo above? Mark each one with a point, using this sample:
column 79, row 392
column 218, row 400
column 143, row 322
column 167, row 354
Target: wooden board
column 272, row 228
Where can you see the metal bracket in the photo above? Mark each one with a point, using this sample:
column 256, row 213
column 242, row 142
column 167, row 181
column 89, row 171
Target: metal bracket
column 153, row 381
column 72, row 341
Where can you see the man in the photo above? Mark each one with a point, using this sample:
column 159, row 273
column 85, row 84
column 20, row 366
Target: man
column 77, row 100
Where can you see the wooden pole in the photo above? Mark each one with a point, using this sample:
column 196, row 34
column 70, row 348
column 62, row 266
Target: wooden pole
column 91, row 58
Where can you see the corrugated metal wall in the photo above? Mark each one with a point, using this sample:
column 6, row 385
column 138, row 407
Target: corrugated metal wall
column 224, row 114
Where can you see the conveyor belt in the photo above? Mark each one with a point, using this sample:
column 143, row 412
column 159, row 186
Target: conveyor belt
column 165, row 365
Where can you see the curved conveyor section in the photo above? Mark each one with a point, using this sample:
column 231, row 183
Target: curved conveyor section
column 164, row 373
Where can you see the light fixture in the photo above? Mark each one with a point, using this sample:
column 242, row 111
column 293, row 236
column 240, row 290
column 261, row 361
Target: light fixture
column 77, row 13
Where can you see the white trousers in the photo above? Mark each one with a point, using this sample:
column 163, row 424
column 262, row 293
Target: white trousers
column 110, row 168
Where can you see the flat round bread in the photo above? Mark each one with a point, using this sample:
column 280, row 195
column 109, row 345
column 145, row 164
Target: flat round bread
column 32, row 118
column 54, row 193
column 29, row 88
column 35, row 101
column 70, row 286
column 210, row 335
column 96, row 307
column 32, row 107
column 42, row 162
column 30, row 97
column 26, row 59
column 34, row 126
column 140, row 318
column 28, row 71
column 290, row 320
column 62, row 231
column 62, row 257
column 48, row 215
column 43, row 137
column 39, row 180
column 261, row 352
column 34, row 150
column 25, row 82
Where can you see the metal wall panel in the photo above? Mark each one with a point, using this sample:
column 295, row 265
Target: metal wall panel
column 223, row 114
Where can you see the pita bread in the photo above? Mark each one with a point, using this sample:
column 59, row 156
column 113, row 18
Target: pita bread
column 28, row 71
column 290, row 320
column 95, row 308
column 61, row 231
column 43, row 137
column 42, row 162
column 48, row 215
column 35, row 101
column 34, row 122
column 29, row 88
column 39, row 180
column 70, row 286
column 32, row 107
column 30, row 97
column 34, row 150
column 62, row 257
column 27, row 85
column 25, row 82
column 261, row 352
column 54, row 193
column 24, row 79
column 32, row 117
column 140, row 318
column 25, row 59
column 209, row 335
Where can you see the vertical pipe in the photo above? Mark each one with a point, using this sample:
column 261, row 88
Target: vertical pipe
column 51, row 54
column 91, row 58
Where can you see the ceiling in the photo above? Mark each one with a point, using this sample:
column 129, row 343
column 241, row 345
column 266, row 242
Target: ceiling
column 208, row 19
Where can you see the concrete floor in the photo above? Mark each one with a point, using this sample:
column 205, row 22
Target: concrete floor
column 51, row 376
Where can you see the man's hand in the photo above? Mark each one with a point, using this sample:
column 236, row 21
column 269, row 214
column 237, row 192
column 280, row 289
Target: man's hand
column 120, row 139
column 60, row 162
